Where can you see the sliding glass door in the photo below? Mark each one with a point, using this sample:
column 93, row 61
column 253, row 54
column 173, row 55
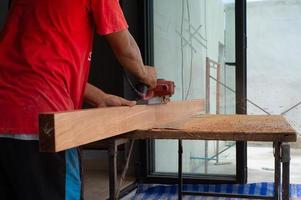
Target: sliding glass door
column 194, row 44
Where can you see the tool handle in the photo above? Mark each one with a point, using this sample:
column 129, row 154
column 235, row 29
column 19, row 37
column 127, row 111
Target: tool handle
column 142, row 89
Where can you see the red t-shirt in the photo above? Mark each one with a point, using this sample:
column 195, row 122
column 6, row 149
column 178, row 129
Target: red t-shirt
column 45, row 51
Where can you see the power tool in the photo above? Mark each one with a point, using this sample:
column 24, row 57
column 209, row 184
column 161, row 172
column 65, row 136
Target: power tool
column 159, row 95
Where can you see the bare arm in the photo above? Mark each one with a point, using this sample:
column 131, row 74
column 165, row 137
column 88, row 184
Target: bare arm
column 97, row 98
column 128, row 54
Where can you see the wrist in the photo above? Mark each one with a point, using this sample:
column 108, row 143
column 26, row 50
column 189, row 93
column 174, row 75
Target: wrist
column 143, row 75
column 94, row 96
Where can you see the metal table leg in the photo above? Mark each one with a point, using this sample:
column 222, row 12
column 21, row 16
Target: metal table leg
column 206, row 157
column 125, row 170
column 217, row 152
column 285, row 158
column 277, row 146
column 180, row 170
column 112, row 169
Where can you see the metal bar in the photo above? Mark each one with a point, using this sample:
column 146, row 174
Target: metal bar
column 123, row 175
column 196, row 31
column 112, row 169
column 172, row 178
column 207, row 85
column 213, row 194
column 217, row 152
column 206, row 158
column 241, row 56
column 241, row 82
column 121, row 141
column 285, row 158
column 180, row 170
column 214, row 157
column 189, row 43
column 194, row 37
column 230, row 63
column 277, row 174
column 213, row 62
column 232, row 90
column 200, row 42
column 127, row 190
column 291, row 108
column 218, row 89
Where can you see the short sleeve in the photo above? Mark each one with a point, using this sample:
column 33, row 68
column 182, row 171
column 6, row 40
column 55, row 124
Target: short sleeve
column 108, row 16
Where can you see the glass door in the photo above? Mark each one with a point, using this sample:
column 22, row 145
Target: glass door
column 194, row 44
column 274, row 74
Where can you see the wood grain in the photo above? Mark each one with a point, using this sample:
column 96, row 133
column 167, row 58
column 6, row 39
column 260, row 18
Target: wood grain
column 222, row 127
column 65, row 130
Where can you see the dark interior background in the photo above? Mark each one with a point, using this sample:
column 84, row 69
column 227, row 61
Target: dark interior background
column 3, row 11
column 106, row 73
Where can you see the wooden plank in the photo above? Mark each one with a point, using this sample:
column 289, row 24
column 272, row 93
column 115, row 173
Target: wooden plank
column 64, row 130
column 222, row 127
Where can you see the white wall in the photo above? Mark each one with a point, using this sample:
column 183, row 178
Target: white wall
column 274, row 61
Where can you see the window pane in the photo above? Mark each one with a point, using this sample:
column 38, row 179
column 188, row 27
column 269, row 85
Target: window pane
column 274, row 75
column 192, row 42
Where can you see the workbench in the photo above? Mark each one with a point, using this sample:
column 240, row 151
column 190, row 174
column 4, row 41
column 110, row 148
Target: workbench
column 273, row 129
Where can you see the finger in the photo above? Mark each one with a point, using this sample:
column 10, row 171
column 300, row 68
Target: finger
column 125, row 102
column 113, row 101
column 131, row 103
column 154, row 84
column 100, row 105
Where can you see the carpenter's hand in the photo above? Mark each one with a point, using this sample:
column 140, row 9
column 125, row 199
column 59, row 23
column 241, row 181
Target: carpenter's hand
column 150, row 78
column 112, row 100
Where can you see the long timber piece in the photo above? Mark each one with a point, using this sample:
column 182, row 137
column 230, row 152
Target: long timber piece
column 65, row 130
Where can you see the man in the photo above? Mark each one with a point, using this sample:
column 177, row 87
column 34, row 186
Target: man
column 45, row 50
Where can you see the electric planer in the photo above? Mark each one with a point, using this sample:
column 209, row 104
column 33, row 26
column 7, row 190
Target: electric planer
column 159, row 95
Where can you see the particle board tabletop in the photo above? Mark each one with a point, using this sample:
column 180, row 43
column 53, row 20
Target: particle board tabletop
column 271, row 128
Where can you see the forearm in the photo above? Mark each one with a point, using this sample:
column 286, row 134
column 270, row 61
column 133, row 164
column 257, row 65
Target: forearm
column 131, row 59
column 93, row 95
column 128, row 54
